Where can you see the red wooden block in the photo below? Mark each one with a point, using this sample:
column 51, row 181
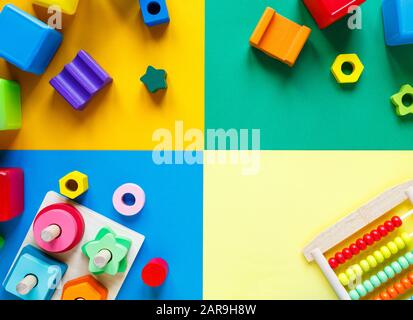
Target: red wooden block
column 326, row 12
column 155, row 272
column 11, row 193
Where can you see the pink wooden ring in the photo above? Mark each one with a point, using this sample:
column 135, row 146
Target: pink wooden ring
column 119, row 199
column 70, row 222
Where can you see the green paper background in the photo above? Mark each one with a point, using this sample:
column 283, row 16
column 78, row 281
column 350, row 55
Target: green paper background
column 303, row 107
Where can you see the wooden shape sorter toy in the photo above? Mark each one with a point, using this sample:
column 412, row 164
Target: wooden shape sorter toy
column 382, row 263
column 59, row 231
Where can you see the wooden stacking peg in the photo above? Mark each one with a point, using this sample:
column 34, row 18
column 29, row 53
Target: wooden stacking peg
column 27, row 284
column 51, row 233
column 102, row 258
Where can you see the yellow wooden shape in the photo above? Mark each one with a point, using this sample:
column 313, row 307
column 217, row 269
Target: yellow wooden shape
column 73, row 184
column 355, row 68
column 67, row 6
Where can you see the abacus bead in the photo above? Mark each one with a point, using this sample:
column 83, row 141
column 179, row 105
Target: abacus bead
column 399, row 288
column 385, row 296
column 376, row 235
column 392, row 292
column 406, row 238
column 378, row 256
column 368, row 286
column 354, row 250
column 365, row 265
column 343, row 279
column 375, row 281
column 340, row 258
column 357, row 269
column 372, row 262
column 385, row 251
column 382, row 276
column 389, row 226
column 382, row 230
column 403, row 262
column 354, row 295
column 409, row 257
column 361, row 244
column 397, row 268
column 399, row 243
column 392, row 247
column 351, row 274
column 347, row 253
column 389, row 272
column 397, row 222
column 406, row 283
column 333, row 263
column 410, row 277
column 361, row 290
column 368, row 239
column 377, row 298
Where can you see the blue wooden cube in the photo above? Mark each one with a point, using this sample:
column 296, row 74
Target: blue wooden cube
column 33, row 262
column 398, row 22
column 25, row 41
column 154, row 12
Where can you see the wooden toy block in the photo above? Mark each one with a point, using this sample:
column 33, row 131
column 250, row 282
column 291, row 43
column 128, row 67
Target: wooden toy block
column 11, row 193
column 129, row 199
column 58, row 228
column 326, row 12
column 398, row 22
column 154, row 79
column 75, row 259
column 67, row 6
column 352, row 277
column 403, row 100
column 80, row 80
column 279, row 37
column 154, row 12
column 25, row 41
column 1, row 242
column 84, row 288
column 155, row 272
column 74, row 184
column 10, row 105
column 34, row 275
column 107, row 252
column 347, row 68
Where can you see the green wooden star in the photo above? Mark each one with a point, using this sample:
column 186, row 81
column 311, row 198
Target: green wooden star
column 403, row 100
column 154, row 79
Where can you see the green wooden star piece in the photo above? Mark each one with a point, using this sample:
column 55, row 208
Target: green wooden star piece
column 118, row 246
column 154, row 79
column 403, row 100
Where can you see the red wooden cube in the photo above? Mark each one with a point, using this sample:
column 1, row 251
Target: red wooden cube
column 11, row 193
column 326, row 12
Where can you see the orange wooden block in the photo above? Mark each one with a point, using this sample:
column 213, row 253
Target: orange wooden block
column 84, row 288
column 279, row 37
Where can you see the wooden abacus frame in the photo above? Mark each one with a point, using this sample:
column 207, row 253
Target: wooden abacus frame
column 350, row 225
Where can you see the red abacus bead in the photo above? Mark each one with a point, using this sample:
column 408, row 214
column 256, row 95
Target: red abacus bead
column 399, row 288
column 347, row 253
column 406, row 283
column 376, row 235
column 333, row 263
column 382, row 230
column 340, row 257
column 397, row 222
column 354, row 250
column 385, row 296
column 368, row 239
column 392, row 292
column 361, row 244
column 389, row 225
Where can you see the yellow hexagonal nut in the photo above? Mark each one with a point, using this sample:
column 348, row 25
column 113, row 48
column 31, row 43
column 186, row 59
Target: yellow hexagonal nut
column 74, row 184
column 347, row 68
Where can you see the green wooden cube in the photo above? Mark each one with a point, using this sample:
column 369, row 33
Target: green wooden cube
column 10, row 105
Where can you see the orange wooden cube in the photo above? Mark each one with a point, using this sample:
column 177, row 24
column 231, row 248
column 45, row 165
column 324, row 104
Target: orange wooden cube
column 279, row 37
column 84, row 288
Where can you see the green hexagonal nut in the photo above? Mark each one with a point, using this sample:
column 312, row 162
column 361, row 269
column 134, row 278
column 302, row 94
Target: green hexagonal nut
column 403, row 100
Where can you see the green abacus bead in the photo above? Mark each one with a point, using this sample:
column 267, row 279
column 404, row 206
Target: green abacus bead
column 403, row 262
column 409, row 257
column 351, row 274
column 354, row 295
column 382, row 276
column 392, row 247
column 406, row 238
column 379, row 256
column 365, row 265
column 396, row 267
column 386, row 252
column 343, row 279
column 361, row 290
column 375, row 281
column 389, row 272
column 399, row 243
column 372, row 261
column 368, row 286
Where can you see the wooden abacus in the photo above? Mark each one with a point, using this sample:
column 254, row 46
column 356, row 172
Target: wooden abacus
column 348, row 227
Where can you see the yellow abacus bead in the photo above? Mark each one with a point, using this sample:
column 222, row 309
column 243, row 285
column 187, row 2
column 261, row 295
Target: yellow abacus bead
column 343, row 279
column 365, row 265
column 386, row 252
column 379, row 256
column 351, row 274
column 406, row 238
column 357, row 269
column 372, row 261
column 392, row 247
column 399, row 243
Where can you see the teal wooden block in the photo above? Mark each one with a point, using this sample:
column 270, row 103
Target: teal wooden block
column 10, row 105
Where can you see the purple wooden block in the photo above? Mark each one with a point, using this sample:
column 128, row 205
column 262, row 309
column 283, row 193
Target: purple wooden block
column 80, row 80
